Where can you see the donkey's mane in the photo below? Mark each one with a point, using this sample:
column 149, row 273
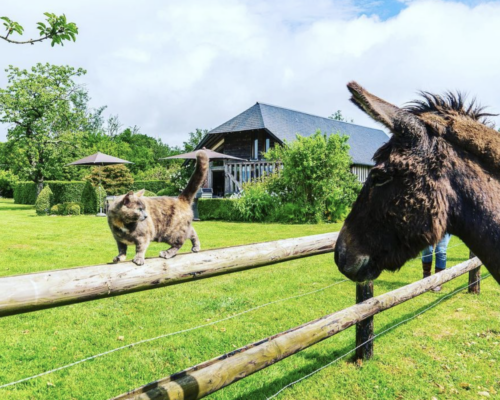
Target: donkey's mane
column 450, row 104
column 461, row 122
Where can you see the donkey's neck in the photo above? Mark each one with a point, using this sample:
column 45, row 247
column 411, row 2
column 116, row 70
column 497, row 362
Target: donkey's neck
column 474, row 213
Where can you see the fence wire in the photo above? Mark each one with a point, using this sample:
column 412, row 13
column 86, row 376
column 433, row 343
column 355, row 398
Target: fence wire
column 169, row 334
column 375, row 336
column 185, row 331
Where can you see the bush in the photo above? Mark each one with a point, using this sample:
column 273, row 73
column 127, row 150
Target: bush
column 73, row 209
column 315, row 184
column 69, row 208
column 218, row 209
column 115, row 179
column 7, row 183
column 257, row 202
column 54, row 210
column 89, row 198
column 147, row 193
column 44, row 201
column 152, row 186
column 169, row 191
column 25, row 193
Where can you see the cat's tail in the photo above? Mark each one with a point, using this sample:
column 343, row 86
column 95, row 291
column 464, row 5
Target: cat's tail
column 198, row 177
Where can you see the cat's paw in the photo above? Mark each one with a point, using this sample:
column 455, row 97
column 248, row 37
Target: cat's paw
column 196, row 249
column 166, row 254
column 138, row 260
column 119, row 258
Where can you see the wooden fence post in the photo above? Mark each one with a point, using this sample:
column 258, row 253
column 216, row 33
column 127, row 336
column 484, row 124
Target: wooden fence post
column 364, row 329
column 474, row 278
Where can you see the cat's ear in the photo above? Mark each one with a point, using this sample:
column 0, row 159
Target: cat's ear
column 140, row 192
column 126, row 199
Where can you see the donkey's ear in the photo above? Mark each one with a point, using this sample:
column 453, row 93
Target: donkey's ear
column 140, row 192
column 380, row 110
column 400, row 122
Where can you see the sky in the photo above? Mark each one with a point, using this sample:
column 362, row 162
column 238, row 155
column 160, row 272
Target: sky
column 171, row 66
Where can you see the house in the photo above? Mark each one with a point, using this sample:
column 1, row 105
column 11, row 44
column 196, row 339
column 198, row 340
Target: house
column 262, row 126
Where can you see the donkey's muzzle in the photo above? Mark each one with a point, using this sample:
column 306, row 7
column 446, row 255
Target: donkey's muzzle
column 356, row 267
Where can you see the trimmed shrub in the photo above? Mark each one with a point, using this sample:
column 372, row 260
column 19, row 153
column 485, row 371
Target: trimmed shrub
column 170, row 191
column 147, row 193
column 89, row 198
column 54, row 210
column 73, row 209
column 218, row 209
column 69, row 208
column 25, row 193
column 44, row 201
column 7, row 183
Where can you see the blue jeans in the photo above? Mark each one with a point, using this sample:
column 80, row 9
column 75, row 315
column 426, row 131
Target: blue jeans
column 440, row 253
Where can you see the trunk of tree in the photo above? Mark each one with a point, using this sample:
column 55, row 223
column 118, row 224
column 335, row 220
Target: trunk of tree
column 39, row 185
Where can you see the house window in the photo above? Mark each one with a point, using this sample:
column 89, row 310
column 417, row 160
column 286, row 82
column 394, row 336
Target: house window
column 256, row 148
column 268, row 144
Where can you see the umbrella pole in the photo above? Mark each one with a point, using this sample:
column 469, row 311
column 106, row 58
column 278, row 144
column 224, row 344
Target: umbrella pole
column 100, row 214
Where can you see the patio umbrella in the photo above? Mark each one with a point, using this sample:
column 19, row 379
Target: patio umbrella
column 99, row 159
column 213, row 155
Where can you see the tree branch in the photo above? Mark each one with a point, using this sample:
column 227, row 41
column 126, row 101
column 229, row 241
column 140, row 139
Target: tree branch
column 31, row 41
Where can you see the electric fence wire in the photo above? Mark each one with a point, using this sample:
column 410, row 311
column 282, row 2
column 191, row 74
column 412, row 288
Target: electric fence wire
column 169, row 334
column 179, row 332
column 375, row 336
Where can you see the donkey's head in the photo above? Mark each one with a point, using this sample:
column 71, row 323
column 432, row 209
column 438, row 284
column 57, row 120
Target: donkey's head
column 403, row 205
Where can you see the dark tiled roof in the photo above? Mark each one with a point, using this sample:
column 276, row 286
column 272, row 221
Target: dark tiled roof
column 285, row 124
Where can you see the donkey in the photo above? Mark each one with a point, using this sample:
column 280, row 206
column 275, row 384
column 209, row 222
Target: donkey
column 439, row 172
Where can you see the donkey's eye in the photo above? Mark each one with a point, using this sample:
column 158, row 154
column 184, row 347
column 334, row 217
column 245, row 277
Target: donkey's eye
column 380, row 180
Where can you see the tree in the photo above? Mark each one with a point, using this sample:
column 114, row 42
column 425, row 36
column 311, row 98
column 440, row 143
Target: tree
column 57, row 29
column 316, row 182
column 115, row 179
column 41, row 105
column 337, row 116
column 194, row 139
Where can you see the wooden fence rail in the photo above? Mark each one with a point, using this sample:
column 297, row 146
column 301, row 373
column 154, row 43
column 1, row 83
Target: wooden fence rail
column 210, row 376
column 30, row 292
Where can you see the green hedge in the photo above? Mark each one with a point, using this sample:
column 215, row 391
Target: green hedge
column 171, row 191
column 25, row 193
column 152, row 186
column 64, row 192
column 223, row 209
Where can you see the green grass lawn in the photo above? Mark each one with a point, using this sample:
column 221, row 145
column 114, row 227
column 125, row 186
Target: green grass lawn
column 452, row 351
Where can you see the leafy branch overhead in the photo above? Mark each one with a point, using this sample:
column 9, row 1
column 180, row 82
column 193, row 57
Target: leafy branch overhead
column 56, row 28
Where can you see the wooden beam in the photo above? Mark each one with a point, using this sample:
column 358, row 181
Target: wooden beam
column 205, row 378
column 30, row 292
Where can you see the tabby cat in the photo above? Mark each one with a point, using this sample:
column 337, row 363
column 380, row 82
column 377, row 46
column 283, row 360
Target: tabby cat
column 138, row 220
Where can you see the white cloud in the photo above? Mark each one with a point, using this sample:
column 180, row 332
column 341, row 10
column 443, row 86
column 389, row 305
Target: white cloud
column 171, row 67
